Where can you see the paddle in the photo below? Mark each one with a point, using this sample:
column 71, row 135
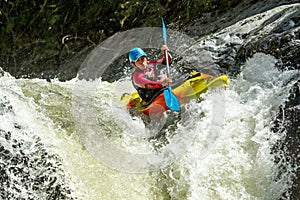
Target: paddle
column 170, row 98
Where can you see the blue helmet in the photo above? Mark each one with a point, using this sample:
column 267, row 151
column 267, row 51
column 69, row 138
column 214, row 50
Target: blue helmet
column 135, row 53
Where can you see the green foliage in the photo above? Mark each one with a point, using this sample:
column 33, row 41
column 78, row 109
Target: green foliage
column 24, row 22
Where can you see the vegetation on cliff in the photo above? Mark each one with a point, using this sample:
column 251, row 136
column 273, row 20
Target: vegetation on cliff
column 25, row 23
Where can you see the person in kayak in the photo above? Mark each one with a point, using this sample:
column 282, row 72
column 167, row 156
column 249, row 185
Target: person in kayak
column 146, row 78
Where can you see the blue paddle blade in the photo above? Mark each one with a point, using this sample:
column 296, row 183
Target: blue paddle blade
column 164, row 30
column 171, row 100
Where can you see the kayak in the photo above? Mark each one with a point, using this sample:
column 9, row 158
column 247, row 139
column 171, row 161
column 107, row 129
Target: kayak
column 188, row 87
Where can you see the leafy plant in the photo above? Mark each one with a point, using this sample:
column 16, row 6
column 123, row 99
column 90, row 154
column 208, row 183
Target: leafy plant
column 27, row 22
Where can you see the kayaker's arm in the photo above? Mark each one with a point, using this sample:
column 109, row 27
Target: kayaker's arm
column 143, row 82
column 163, row 59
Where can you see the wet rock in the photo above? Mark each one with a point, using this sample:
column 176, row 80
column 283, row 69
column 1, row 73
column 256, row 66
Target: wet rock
column 27, row 169
column 284, row 46
column 218, row 20
column 283, row 42
column 30, row 173
column 5, row 106
column 288, row 121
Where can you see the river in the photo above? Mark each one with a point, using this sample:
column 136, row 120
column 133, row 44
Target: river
column 74, row 139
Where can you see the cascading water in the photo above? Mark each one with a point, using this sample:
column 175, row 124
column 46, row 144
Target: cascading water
column 241, row 165
column 52, row 137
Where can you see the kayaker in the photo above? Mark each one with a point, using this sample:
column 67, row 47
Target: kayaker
column 146, row 78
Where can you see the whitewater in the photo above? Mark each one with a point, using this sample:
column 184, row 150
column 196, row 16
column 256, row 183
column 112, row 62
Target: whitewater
column 52, row 136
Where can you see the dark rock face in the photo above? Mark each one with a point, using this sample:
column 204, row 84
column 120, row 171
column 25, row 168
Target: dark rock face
column 283, row 43
column 27, row 169
column 215, row 21
column 288, row 121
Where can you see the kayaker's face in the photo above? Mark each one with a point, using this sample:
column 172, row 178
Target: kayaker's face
column 141, row 62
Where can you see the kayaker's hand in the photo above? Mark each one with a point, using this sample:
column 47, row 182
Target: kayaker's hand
column 166, row 82
column 163, row 48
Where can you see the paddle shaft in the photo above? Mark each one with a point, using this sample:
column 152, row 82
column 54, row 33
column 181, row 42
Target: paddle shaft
column 166, row 51
column 168, row 68
column 167, row 63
